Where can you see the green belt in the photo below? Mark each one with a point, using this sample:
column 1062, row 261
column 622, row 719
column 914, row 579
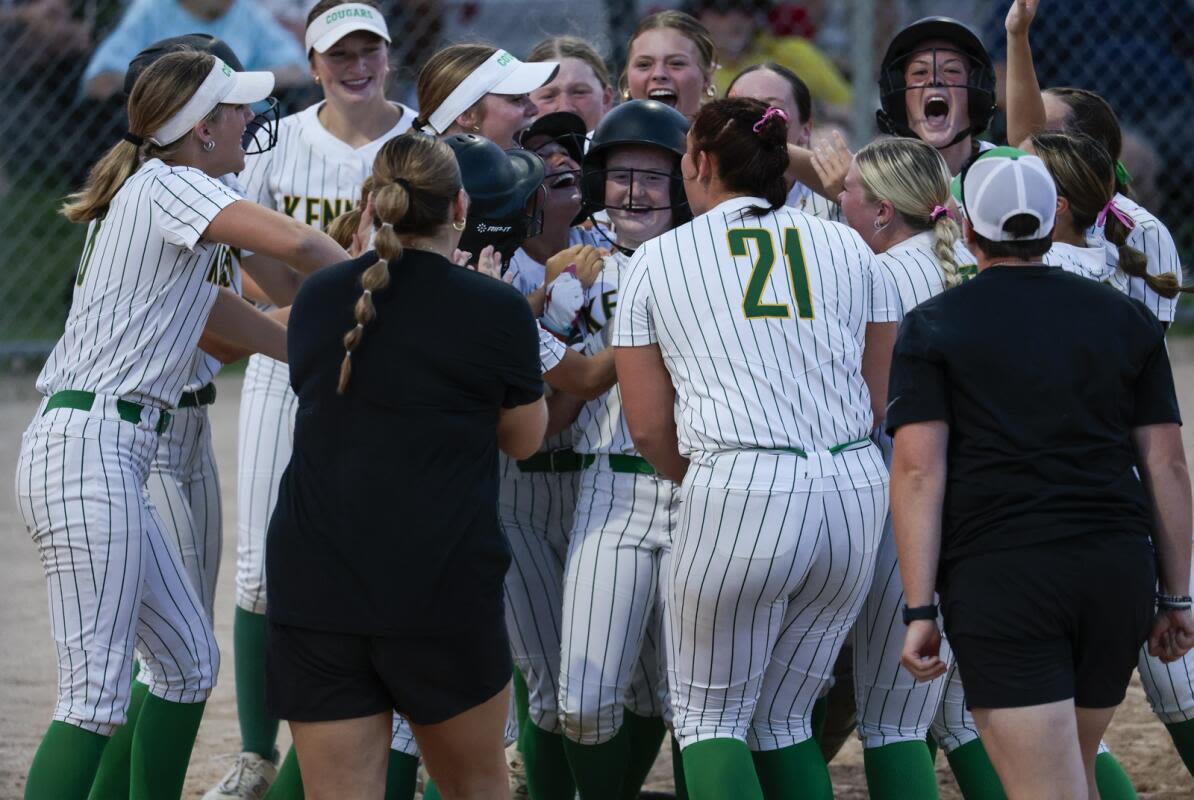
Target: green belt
column 837, row 448
column 83, row 401
column 204, row 397
column 571, row 461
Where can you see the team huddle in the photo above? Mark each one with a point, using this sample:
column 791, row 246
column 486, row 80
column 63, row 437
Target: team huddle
column 566, row 425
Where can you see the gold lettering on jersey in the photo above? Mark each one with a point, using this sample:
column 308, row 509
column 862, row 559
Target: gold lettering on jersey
column 318, row 211
column 222, row 269
column 609, row 301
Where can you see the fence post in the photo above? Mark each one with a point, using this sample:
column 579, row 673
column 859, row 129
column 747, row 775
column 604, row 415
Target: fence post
column 863, row 71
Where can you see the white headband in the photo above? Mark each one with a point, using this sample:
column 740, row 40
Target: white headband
column 222, row 85
column 501, row 73
column 336, row 23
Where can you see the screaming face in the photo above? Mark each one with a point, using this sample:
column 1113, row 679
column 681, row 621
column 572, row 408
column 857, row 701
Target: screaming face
column 937, row 96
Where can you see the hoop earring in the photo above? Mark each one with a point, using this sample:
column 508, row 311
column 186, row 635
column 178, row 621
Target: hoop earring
column 209, row 145
column 459, row 225
column 711, row 91
column 880, row 226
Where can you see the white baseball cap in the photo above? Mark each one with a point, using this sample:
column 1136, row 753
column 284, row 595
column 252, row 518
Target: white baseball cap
column 1003, row 183
column 222, row 85
column 501, row 73
column 334, row 24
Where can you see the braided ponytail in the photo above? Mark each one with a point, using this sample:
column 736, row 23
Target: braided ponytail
column 1134, row 263
column 945, row 236
column 415, row 179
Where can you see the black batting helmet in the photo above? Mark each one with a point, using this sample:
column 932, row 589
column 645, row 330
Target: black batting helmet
column 501, row 185
column 265, row 123
column 635, row 122
column 893, row 116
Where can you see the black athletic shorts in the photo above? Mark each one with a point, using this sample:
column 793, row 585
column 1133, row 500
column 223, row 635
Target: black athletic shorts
column 315, row 676
column 1063, row 619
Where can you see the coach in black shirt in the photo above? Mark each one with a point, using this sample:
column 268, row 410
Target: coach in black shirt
column 384, row 556
column 1039, row 484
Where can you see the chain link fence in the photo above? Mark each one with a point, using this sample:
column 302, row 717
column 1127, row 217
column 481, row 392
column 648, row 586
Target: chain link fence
column 1139, row 55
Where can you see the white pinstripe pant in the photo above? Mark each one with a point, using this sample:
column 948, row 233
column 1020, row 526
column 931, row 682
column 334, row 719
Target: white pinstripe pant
column 184, row 486
column 1169, row 687
column 773, row 557
column 266, row 428
column 535, row 511
column 618, row 552
column 113, row 579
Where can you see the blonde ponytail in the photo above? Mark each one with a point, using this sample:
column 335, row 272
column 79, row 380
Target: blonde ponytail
column 160, row 92
column 415, row 178
column 945, row 236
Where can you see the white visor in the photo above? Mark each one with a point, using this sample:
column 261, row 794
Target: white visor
column 222, row 85
column 501, row 73
column 336, row 23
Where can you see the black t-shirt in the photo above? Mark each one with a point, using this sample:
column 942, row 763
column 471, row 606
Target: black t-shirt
column 1041, row 376
column 386, row 520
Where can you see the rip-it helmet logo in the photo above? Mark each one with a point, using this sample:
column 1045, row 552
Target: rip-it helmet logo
column 486, row 228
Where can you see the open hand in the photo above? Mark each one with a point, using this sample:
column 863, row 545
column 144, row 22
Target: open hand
column 831, row 159
column 1020, row 16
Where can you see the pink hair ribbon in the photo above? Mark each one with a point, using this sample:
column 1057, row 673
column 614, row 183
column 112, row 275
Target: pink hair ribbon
column 1113, row 209
column 771, row 111
column 941, row 211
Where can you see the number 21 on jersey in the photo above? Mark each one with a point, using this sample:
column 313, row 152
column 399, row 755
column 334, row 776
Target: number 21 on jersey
column 752, row 300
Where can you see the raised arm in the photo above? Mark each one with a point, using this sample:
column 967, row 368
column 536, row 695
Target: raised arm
column 251, row 227
column 1025, row 108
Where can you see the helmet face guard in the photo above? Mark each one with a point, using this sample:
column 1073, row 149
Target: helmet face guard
column 633, row 179
column 261, row 134
column 979, row 85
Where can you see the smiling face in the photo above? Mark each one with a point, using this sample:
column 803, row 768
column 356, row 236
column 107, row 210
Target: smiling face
column 773, row 89
column 665, row 65
column 638, row 193
column 504, row 116
column 562, row 182
column 353, row 70
column 937, row 99
column 575, row 88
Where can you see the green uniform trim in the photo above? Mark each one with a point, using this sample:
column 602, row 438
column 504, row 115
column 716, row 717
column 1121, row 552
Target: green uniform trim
column 83, row 401
column 204, row 397
column 571, row 461
column 835, row 450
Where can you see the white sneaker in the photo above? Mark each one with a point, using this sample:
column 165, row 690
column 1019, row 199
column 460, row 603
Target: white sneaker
column 249, row 779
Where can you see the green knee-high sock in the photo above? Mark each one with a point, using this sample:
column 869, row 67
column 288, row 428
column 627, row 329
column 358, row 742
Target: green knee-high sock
column 599, row 769
column 522, row 699
column 288, row 785
column 931, row 743
column 1182, row 734
column 1113, row 782
column 796, row 771
column 402, row 772
column 718, row 768
column 548, row 774
column 681, row 784
column 900, row 770
column 162, row 745
column 112, row 778
column 65, row 764
column 974, row 772
column 431, row 791
column 645, row 735
column 258, row 730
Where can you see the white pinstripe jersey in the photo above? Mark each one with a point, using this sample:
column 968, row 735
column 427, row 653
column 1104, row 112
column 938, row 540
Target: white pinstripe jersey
column 311, row 175
column 551, row 351
column 913, row 270
column 760, row 321
column 224, row 272
column 529, row 274
column 1097, row 262
column 143, row 290
column 601, row 427
column 808, row 201
column 1151, row 237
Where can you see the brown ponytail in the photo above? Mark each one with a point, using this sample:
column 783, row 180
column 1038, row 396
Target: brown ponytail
column 1135, row 263
column 415, row 179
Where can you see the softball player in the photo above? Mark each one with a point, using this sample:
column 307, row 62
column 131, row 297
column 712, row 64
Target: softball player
column 144, row 293
column 779, row 86
column 314, row 173
column 611, row 686
column 670, row 58
column 783, row 496
column 896, row 197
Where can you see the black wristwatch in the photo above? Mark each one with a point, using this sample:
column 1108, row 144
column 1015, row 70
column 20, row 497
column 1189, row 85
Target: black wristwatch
column 919, row 612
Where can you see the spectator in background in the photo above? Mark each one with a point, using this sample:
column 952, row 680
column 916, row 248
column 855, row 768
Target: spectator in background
column 246, row 26
column 44, row 30
column 739, row 29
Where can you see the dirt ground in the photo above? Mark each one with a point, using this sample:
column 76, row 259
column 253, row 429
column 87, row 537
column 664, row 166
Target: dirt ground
column 27, row 670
